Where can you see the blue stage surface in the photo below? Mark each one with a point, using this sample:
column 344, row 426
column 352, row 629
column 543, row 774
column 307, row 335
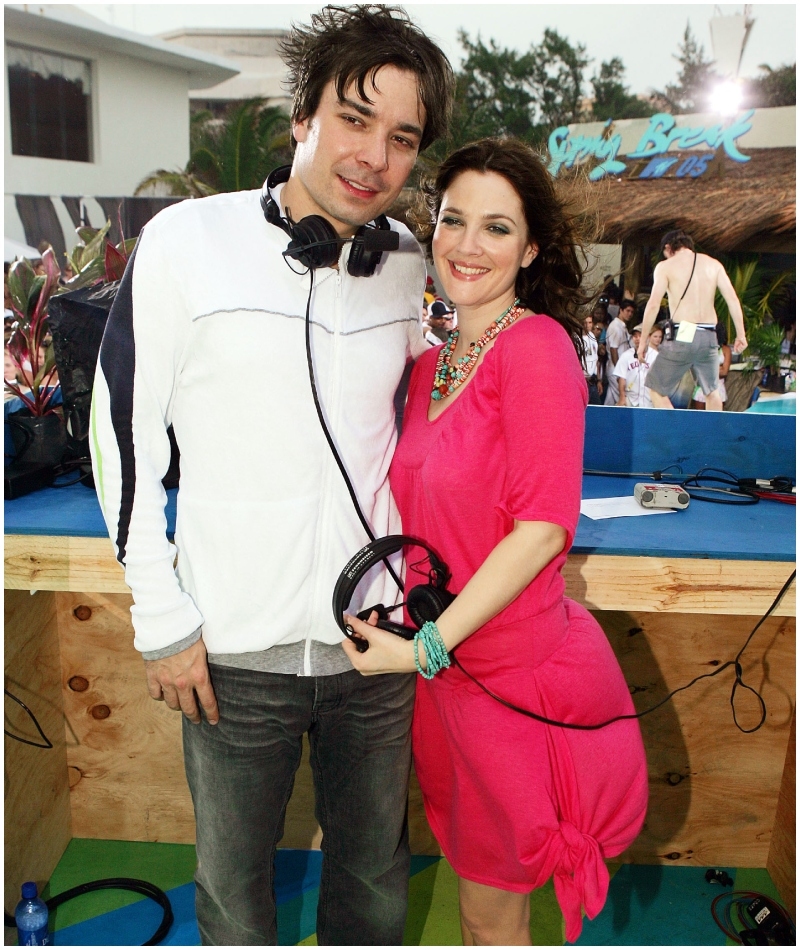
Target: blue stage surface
column 762, row 532
column 618, row 440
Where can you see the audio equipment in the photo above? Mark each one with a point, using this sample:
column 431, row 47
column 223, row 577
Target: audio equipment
column 661, row 496
column 314, row 242
column 424, row 602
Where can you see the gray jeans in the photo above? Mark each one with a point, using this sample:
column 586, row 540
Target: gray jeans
column 241, row 773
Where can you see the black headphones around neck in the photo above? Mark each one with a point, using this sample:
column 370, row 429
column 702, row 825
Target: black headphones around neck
column 315, row 243
column 424, row 602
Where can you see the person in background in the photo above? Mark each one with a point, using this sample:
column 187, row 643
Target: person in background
column 618, row 340
column 698, row 396
column 238, row 634
column 690, row 280
column 599, row 331
column 612, row 292
column 590, row 362
column 656, row 337
column 488, row 473
column 439, row 315
column 631, row 372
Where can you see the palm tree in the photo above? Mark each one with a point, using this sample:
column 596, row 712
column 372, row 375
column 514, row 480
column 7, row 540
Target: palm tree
column 234, row 153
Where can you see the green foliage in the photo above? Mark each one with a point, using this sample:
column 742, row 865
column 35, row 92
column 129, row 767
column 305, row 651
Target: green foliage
column 776, row 87
column 234, row 153
column 30, row 297
column 612, row 100
column 558, row 80
column 502, row 92
column 94, row 258
column 694, row 82
column 758, row 290
column 765, row 343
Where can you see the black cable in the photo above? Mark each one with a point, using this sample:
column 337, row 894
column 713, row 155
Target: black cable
column 37, row 745
column 734, row 495
column 741, row 491
column 601, row 725
column 329, row 438
column 117, row 883
column 773, row 927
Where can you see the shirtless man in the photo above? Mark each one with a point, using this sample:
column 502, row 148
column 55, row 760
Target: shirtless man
column 691, row 303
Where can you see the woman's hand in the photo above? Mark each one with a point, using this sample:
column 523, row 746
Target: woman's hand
column 387, row 652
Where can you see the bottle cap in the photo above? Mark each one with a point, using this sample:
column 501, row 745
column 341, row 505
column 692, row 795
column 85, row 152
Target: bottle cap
column 30, row 890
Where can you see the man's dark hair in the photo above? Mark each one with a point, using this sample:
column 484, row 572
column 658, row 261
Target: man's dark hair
column 676, row 240
column 627, row 302
column 350, row 44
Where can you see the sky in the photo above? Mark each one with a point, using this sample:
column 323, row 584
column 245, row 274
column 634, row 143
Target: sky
column 644, row 35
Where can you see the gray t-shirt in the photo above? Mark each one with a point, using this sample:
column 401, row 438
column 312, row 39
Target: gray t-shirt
column 326, row 659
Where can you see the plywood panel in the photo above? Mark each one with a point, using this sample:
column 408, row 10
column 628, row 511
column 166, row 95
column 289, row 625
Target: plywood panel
column 782, row 860
column 37, row 813
column 123, row 749
column 601, row 582
column 713, row 789
column 679, row 585
column 34, row 562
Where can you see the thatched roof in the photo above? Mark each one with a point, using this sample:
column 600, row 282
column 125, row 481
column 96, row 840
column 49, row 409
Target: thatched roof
column 750, row 207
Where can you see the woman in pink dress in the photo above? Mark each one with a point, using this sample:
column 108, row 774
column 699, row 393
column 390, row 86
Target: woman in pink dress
column 488, row 473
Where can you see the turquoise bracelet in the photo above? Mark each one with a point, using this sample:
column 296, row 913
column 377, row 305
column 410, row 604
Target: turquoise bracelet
column 435, row 650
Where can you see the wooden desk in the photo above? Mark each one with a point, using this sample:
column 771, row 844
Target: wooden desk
column 718, row 797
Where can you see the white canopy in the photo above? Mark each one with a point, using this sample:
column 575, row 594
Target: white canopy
column 15, row 249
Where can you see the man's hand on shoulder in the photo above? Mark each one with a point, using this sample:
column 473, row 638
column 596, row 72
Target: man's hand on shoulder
column 183, row 679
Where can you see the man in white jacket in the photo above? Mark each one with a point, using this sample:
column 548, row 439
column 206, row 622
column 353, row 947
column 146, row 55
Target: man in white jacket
column 238, row 633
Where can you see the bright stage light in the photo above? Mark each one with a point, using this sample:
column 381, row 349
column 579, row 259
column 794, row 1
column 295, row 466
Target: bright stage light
column 726, row 98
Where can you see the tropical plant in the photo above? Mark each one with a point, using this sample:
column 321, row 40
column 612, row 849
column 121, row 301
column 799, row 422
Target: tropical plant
column 774, row 87
column 30, row 296
column 758, row 291
column 94, row 258
column 765, row 343
column 234, row 153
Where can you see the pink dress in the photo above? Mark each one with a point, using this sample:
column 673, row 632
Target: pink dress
column 513, row 801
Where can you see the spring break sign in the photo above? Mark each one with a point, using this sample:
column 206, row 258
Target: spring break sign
column 569, row 149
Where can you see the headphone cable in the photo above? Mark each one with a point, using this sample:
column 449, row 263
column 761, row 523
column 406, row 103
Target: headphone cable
column 738, row 681
column 329, row 438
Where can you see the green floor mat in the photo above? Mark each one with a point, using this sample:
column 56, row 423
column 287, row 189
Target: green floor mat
column 165, row 865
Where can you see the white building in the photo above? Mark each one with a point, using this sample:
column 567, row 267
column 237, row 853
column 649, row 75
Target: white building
column 255, row 52
column 91, row 109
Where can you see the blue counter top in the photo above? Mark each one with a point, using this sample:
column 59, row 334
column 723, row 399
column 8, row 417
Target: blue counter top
column 617, row 440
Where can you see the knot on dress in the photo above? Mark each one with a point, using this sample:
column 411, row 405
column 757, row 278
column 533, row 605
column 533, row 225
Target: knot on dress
column 580, row 878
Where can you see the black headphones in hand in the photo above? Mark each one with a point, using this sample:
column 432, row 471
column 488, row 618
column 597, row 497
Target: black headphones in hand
column 424, row 602
column 315, row 243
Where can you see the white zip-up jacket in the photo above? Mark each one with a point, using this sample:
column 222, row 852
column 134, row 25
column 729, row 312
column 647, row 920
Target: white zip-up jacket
column 207, row 333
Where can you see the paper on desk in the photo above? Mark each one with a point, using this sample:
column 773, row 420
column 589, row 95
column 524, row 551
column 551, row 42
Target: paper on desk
column 625, row 507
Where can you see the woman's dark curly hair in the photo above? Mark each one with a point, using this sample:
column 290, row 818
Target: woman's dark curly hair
column 559, row 219
column 350, row 44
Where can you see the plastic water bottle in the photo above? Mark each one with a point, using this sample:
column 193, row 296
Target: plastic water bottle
column 31, row 917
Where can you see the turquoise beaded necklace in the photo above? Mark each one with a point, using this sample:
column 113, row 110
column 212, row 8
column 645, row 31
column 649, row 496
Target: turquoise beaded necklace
column 449, row 376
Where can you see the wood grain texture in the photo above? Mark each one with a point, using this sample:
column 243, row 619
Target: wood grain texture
column 679, row 585
column 782, row 860
column 37, row 809
column 713, row 790
column 600, row 582
column 126, row 768
column 37, row 562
